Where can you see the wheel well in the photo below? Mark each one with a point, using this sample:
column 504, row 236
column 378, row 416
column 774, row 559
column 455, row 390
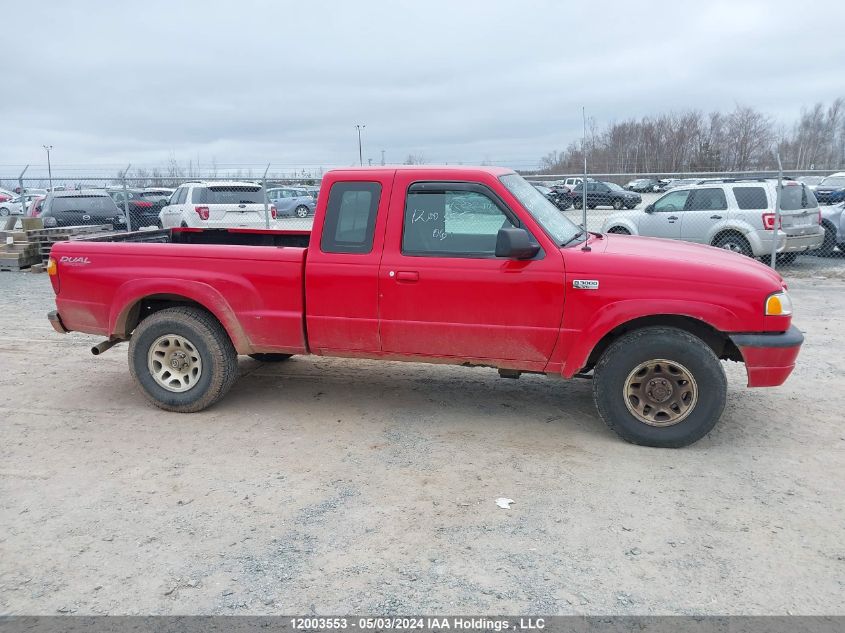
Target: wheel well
column 150, row 305
column 719, row 342
column 727, row 232
column 619, row 230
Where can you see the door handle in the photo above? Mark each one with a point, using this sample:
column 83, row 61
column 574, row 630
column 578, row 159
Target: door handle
column 672, row 218
column 407, row 275
column 715, row 217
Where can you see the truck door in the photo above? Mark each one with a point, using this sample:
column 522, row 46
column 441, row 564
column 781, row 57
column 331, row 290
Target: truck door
column 443, row 291
column 341, row 273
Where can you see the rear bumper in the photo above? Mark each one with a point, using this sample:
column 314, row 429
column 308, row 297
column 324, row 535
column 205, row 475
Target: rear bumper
column 769, row 357
column 56, row 322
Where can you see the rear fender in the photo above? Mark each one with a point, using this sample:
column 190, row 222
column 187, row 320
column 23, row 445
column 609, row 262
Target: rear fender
column 131, row 293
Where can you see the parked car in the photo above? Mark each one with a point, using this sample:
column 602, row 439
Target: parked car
column 570, row 182
column 682, row 182
column 292, row 202
column 663, row 184
column 736, row 215
column 144, row 205
column 6, row 195
column 604, row 194
column 35, row 207
column 17, row 205
column 80, row 207
column 833, row 223
column 643, row 185
column 390, row 271
column 831, row 190
column 558, row 197
column 216, row 205
column 810, row 181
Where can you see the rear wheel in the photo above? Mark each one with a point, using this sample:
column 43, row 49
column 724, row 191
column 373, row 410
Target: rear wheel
column 270, row 358
column 660, row 386
column 617, row 204
column 733, row 242
column 577, row 203
column 619, row 230
column 182, row 359
column 4, row 211
column 785, row 258
column 301, row 211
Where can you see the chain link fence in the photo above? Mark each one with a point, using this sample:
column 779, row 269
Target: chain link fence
column 752, row 213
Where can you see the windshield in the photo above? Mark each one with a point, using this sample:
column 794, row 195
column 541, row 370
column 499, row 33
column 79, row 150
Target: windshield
column 833, row 182
column 560, row 228
column 614, row 186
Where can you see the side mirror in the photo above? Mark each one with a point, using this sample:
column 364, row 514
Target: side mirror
column 649, row 209
column 515, row 243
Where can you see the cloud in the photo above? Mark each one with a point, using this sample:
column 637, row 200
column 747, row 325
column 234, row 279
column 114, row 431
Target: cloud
column 284, row 82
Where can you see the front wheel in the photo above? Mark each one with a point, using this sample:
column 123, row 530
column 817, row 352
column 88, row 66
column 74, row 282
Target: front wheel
column 577, row 203
column 829, row 243
column 618, row 204
column 301, row 211
column 660, row 386
column 4, row 211
column 182, row 359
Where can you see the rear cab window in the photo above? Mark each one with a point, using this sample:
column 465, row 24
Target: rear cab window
column 350, row 219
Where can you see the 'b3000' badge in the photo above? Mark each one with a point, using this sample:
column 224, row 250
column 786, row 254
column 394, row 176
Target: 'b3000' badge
column 586, row 284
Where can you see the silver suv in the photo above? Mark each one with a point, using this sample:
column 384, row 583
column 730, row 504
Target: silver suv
column 738, row 215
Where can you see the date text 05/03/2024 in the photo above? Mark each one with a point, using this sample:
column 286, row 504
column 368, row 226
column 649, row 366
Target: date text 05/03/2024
column 419, row 623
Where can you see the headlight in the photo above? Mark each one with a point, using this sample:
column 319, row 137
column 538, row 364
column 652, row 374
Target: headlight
column 778, row 304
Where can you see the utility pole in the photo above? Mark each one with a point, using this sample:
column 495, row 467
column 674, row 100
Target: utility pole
column 49, row 167
column 382, row 158
column 360, row 153
column 369, row 162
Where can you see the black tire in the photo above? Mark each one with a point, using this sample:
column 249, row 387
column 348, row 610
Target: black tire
column 624, row 356
column 577, row 203
column 591, row 206
column 829, row 243
column 4, row 212
column 618, row 230
column 210, row 341
column 270, row 358
column 785, row 258
column 301, row 211
column 618, row 204
column 733, row 242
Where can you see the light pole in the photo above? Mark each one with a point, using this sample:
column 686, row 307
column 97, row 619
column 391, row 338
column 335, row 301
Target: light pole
column 49, row 167
column 360, row 153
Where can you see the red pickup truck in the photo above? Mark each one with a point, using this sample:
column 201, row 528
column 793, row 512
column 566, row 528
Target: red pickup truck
column 469, row 266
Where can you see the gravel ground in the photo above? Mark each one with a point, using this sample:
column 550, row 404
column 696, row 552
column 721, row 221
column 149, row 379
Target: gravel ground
column 323, row 485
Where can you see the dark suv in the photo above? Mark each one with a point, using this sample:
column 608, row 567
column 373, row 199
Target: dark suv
column 144, row 205
column 604, row 194
column 75, row 208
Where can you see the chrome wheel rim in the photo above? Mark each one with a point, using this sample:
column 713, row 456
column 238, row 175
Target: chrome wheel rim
column 174, row 363
column 302, row 212
column 732, row 246
column 660, row 392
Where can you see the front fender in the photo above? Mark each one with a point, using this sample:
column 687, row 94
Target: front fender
column 130, row 293
column 581, row 343
column 620, row 221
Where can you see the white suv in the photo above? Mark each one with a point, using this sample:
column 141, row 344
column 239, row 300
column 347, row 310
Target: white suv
column 217, row 205
column 737, row 215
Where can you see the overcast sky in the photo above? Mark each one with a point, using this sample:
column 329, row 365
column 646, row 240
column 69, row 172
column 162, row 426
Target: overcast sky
column 108, row 83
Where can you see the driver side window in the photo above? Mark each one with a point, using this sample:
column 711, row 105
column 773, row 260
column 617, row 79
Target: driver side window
column 673, row 201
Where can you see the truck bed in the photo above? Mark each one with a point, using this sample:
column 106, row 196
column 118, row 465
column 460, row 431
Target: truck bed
column 251, row 280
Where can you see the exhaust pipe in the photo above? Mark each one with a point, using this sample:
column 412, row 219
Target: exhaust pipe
column 99, row 348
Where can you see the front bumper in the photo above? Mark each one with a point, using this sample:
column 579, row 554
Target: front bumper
column 769, row 357
column 56, row 322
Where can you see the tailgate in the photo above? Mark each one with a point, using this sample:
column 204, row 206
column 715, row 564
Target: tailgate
column 237, row 215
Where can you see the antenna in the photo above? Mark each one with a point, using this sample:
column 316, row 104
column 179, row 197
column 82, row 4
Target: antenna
column 584, row 182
